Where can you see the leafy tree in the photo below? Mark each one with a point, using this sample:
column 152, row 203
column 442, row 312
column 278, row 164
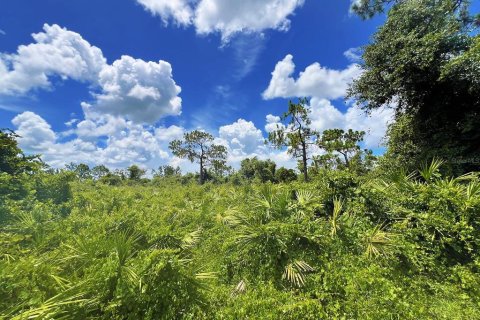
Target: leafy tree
column 54, row 187
column 296, row 135
column 167, row 171
column 325, row 161
column 121, row 173
column 135, row 172
column 99, row 171
column 345, row 143
column 254, row 168
column 219, row 168
column 112, row 179
column 197, row 146
column 283, row 175
column 12, row 159
column 82, row 170
column 368, row 8
column 422, row 62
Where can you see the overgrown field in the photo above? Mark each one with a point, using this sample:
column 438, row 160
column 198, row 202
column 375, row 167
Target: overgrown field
column 339, row 247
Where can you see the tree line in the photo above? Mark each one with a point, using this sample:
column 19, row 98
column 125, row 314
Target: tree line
column 340, row 150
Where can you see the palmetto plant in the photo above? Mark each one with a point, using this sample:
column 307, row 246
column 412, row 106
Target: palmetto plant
column 273, row 232
column 269, row 201
column 306, row 198
column 379, row 242
column 296, row 271
column 240, row 288
column 307, row 202
column 430, row 171
column 59, row 306
column 191, row 239
column 334, row 221
column 472, row 190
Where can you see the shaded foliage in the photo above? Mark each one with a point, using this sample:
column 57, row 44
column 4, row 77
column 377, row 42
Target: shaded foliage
column 421, row 63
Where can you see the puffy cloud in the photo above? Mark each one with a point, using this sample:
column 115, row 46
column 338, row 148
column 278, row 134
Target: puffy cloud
column 113, row 142
column 325, row 116
column 315, row 80
column 56, row 51
column 229, row 17
column 179, row 10
column 137, row 90
column 35, row 133
column 117, row 143
column 105, row 125
column 140, row 91
column 225, row 16
column 244, row 140
column 242, row 137
column 273, row 123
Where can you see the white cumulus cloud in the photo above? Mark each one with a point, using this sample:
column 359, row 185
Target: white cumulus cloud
column 177, row 10
column 273, row 123
column 137, row 90
column 117, row 143
column 56, row 51
column 242, row 137
column 244, row 140
column 225, row 16
column 123, row 142
column 229, row 17
column 314, row 81
column 141, row 91
column 325, row 116
column 35, row 133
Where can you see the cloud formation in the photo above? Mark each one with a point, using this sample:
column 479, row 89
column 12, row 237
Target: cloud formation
column 113, row 142
column 137, row 90
column 140, row 91
column 325, row 116
column 117, row 143
column 242, row 137
column 353, row 54
column 314, row 81
column 35, row 133
column 244, row 140
column 225, row 16
column 56, row 52
column 179, row 11
column 127, row 97
column 322, row 85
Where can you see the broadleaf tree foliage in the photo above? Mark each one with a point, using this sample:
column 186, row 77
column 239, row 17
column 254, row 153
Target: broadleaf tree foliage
column 197, row 146
column 296, row 134
column 424, row 62
column 12, row 159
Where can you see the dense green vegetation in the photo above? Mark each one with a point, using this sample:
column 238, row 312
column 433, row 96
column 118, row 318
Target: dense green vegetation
column 342, row 246
column 347, row 236
column 423, row 62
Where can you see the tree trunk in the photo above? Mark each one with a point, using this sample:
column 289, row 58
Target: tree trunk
column 347, row 163
column 304, row 160
column 201, row 170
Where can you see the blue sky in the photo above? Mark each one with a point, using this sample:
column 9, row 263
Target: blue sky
column 216, row 67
